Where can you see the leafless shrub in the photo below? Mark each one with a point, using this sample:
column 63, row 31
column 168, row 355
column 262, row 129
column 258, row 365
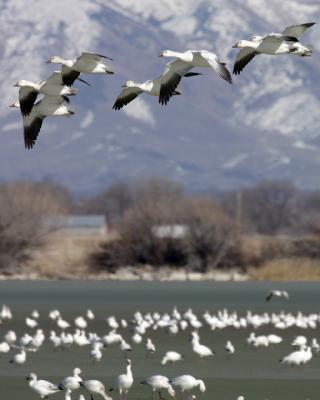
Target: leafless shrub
column 23, row 207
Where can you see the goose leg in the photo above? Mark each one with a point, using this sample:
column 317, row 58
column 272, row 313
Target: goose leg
column 160, row 396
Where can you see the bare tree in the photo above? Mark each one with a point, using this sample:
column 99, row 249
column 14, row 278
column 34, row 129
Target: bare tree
column 268, row 206
column 211, row 233
column 23, row 207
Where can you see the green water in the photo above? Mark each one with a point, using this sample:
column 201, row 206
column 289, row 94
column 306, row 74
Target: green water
column 256, row 374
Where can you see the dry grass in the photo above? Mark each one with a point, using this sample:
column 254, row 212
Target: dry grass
column 65, row 255
column 288, row 269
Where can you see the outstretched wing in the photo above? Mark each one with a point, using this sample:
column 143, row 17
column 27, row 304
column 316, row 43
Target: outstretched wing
column 170, row 79
column 268, row 298
column 27, row 98
column 32, row 126
column 125, row 97
column 243, row 58
column 55, row 79
column 297, row 30
column 219, row 67
column 69, row 75
column 278, row 38
column 92, row 56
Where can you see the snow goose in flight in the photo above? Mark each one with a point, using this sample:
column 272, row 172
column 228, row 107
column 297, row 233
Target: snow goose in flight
column 153, row 87
column 157, row 383
column 53, row 86
column 184, row 62
column 88, row 63
column 42, row 387
column 277, row 293
column 286, row 42
column 48, row 106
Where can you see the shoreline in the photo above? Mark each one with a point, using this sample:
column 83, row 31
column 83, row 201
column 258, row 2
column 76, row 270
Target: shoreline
column 134, row 274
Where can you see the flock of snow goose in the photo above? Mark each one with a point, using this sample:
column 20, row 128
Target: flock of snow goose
column 138, row 329
column 57, row 87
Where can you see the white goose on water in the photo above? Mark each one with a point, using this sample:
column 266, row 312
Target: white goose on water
column 125, row 381
column 4, row 347
column 95, row 387
column 298, row 357
column 200, row 349
column 72, row 382
column 157, row 383
column 53, row 86
column 48, row 106
column 171, row 357
column 185, row 62
column 186, row 383
column 88, row 63
column 286, row 42
column 42, row 387
column 19, row 358
column 150, row 347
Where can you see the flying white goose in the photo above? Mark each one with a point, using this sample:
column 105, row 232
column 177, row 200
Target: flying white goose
column 72, row 382
column 48, row 106
column 162, row 86
column 88, row 63
column 184, row 62
column 277, row 293
column 53, row 86
column 42, row 387
column 95, row 387
column 186, row 383
column 286, row 42
column 157, row 383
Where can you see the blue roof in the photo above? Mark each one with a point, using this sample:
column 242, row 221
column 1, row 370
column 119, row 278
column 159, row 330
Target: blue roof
column 77, row 221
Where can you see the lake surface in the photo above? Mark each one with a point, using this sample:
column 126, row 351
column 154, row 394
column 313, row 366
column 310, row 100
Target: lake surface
column 254, row 373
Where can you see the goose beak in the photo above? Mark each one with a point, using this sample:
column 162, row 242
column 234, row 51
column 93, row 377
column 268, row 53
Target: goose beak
column 123, row 86
column 71, row 112
column 235, row 46
column 160, row 55
column 12, row 104
column 16, row 84
column 48, row 61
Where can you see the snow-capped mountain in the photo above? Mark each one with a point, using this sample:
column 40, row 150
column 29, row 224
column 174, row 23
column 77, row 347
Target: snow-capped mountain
column 264, row 126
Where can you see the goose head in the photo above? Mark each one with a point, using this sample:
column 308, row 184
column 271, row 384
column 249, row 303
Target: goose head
column 129, row 84
column 240, row 45
column 54, row 60
column 31, row 377
column 76, row 371
column 21, row 83
column 15, row 104
column 166, row 53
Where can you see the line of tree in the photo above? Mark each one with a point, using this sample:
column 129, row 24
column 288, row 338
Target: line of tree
column 215, row 224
